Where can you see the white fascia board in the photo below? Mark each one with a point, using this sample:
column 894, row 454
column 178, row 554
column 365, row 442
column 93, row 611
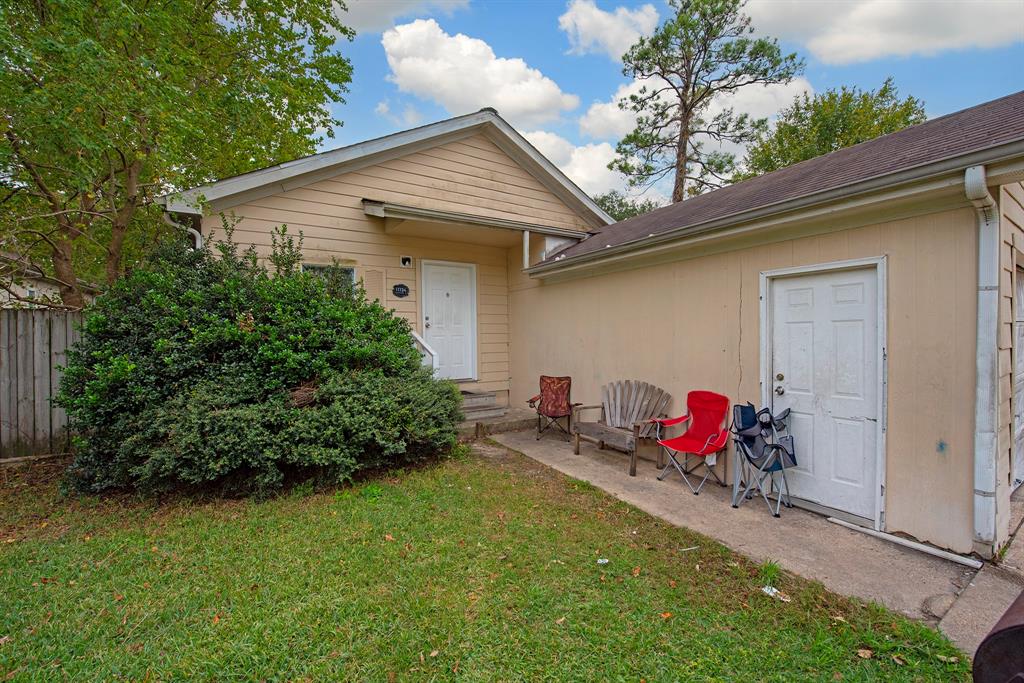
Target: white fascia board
column 945, row 173
column 373, row 207
column 292, row 174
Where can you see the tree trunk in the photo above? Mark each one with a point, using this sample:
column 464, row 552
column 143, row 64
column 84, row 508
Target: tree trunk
column 64, row 270
column 682, row 157
column 114, row 249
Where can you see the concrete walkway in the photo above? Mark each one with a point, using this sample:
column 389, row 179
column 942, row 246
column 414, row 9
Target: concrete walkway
column 991, row 591
column 848, row 562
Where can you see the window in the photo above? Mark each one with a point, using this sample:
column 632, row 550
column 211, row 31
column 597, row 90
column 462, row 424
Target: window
column 340, row 279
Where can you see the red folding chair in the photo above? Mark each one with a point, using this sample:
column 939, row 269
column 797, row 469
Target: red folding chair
column 706, row 435
column 553, row 404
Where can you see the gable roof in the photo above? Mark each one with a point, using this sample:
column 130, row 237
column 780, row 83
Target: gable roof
column 981, row 134
column 292, row 174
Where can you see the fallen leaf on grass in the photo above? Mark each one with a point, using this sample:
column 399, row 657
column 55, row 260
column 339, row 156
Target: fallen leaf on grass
column 4, row 639
column 388, row 537
column 560, row 621
column 216, row 619
column 948, row 660
column 836, row 617
column 434, row 653
column 636, row 571
column 118, row 597
column 671, row 583
column 865, row 653
column 666, row 615
column 899, row 660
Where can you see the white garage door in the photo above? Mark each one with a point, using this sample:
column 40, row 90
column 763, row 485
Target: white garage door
column 824, row 367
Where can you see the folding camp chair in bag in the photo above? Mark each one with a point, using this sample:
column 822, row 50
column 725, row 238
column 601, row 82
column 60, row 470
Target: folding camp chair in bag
column 553, row 404
column 705, row 437
column 764, row 455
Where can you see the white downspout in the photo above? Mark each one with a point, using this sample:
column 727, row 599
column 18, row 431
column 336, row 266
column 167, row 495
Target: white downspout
column 986, row 400
column 197, row 237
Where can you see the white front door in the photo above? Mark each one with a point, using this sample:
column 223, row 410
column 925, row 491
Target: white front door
column 449, row 317
column 824, row 367
column 1018, row 379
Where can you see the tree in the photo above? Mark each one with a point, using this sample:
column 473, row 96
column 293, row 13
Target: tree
column 106, row 104
column 620, row 207
column 698, row 56
column 828, row 121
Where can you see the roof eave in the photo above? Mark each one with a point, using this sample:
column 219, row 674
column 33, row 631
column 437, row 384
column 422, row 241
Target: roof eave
column 1001, row 153
column 289, row 174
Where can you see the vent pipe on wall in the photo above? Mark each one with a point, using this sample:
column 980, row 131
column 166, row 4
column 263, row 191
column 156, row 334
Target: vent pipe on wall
column 986, row 400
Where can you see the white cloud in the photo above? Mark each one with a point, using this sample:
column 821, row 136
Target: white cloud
column 849, row 31
column 586, row 165
column 606, row 121
column 591, row 29
column 463, row 74
column 409, row 117
column 373, row 16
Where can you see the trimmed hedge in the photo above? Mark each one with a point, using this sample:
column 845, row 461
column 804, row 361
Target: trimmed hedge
column 204, row 370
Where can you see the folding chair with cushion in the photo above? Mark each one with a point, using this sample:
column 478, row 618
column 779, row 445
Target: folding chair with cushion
column 552, row 404
column 705, row 437
column 763, row 454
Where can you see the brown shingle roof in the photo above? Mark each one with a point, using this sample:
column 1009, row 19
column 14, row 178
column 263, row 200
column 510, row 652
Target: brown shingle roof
column 978, row 128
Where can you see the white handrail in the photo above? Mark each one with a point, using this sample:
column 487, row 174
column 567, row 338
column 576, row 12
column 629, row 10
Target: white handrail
column 426, row 351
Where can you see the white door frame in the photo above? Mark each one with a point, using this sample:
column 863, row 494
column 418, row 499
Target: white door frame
column 472, row 313
column 879, row 264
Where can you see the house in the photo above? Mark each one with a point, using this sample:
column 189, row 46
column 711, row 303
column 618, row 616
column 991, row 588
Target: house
column 23, row 283
column 877, row 291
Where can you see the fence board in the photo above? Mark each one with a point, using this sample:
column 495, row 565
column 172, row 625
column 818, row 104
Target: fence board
column 33, row 343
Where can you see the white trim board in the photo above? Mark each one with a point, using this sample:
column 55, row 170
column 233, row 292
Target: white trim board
column 474, row 326
column 879, row 263
column 229, row 192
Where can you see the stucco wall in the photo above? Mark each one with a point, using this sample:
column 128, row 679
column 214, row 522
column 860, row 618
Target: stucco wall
column 694, row 324
column 471, row 176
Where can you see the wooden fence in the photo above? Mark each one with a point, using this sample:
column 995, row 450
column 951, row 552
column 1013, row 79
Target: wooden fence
column 32, row 348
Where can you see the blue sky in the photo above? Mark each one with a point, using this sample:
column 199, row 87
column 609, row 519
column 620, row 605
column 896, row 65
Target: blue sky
column 550, row 66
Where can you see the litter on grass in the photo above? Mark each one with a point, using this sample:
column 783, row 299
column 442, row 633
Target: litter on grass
column 774, row 592
column 603, row 560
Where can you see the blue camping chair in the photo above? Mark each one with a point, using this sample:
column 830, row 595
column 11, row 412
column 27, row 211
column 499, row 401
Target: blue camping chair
column 764, row 454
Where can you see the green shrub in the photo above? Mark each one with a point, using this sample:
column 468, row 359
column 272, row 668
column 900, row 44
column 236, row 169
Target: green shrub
column 205, row 370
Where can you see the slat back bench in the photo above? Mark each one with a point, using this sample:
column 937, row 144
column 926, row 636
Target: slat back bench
column 626, row 406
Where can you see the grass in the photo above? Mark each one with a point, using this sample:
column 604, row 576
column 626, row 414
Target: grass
column 477, row 568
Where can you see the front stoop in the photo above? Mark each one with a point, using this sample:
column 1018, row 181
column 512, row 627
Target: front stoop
column 479, row 426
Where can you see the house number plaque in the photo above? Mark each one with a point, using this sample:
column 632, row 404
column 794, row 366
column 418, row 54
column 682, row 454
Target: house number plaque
column 400, row 290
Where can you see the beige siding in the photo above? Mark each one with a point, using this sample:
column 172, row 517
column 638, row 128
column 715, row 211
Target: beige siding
column 695, row 324
column 468, row 176
column 1011, row 225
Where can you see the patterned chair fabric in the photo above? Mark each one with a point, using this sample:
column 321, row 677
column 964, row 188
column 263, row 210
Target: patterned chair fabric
column 553, row 403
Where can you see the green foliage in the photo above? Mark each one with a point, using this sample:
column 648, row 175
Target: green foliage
column 703, row 52
column 620, row 207
column 768, row 573
column 830, row 121
column 107, row 104
column 205, row 370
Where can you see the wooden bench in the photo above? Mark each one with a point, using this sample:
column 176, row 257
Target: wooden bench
column 626, row 406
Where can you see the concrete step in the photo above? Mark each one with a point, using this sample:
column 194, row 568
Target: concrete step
column 477, row 414
column 473, row 400
column 510, row 420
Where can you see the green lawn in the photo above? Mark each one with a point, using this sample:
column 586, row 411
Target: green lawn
column 475, row 568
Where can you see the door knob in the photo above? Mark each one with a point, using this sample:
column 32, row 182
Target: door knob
column 780, row 390
column 426, row 325
column 780, row 377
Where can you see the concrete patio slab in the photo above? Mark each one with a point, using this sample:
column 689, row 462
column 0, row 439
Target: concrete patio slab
column 845, row 561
